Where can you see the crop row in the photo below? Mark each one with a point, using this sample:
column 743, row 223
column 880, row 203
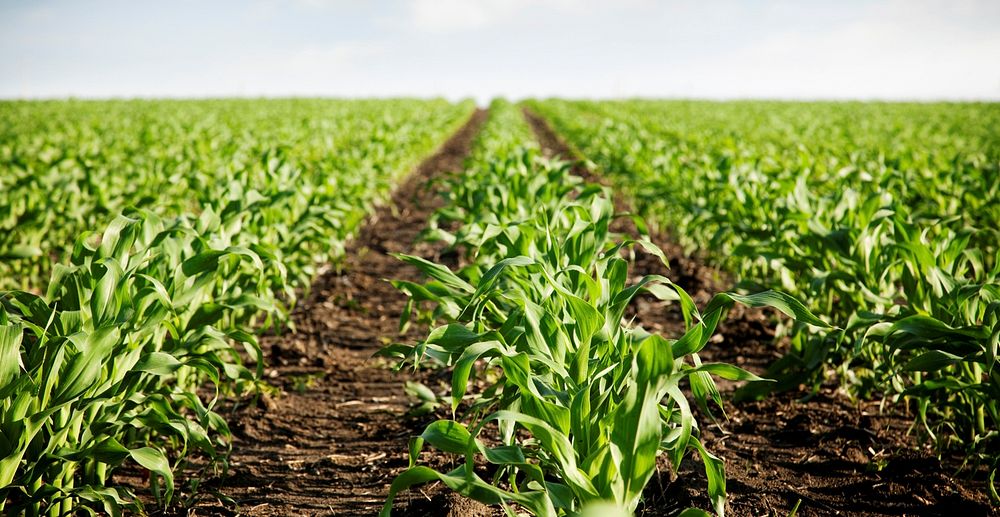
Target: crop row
column 306, row 170
column 881, row 217
column 146, row 324
column 571, row 403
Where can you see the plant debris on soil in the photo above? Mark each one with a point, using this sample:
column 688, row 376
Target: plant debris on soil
column 335, row 438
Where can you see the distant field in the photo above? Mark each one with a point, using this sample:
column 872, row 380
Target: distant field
column 738, row 172
column 884, row 218
column 305, row 170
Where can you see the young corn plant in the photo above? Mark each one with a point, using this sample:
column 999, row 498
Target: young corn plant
column 107, row 366
column 579, row 403
column 598, row 398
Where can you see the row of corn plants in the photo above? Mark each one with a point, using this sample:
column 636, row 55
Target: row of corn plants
column 123, row 356
column 107, row 366
column 883, row 217
column 307, row 170
column 571, row 403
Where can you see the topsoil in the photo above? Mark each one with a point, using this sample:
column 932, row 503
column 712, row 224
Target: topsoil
column 336, row 436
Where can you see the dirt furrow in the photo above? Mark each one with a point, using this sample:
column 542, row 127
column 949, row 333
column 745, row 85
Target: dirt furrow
column 332, row 442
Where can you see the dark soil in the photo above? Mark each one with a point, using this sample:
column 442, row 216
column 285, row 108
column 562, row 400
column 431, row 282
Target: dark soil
column 337, row 435
column 829, row 455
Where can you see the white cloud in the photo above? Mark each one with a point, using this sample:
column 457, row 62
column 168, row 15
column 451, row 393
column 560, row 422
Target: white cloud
column 459, row 15
column 339, row 69
column 443, row 16
column 896, row 49
column 341, row 55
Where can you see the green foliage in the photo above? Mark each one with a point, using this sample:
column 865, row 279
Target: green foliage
column 144, row 326
column 305, row 170
column 882, row 217
column 580, row 401
column 105, row 367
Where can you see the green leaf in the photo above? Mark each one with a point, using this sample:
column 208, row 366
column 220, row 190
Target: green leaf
column 470, row 485
column 437, row 272
column 505, row 455
column 715, row 470
column 10, row 346
column 154, row 461
column 931, row 361
column 637, row 429
column 104, row 302
column 448, row 435
column 788, row 305
column 158, row 363
column 203, row 262
column 463, row 368
column 84, row 367
column 727, row 371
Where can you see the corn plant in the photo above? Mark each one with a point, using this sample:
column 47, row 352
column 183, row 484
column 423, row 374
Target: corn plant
column 588, row 389
column 105, row 368
column 582, row 402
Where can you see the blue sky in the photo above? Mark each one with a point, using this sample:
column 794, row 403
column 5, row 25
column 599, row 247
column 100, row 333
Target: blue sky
column 888, row 49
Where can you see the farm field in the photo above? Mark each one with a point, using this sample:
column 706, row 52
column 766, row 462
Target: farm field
column 882, row 217
column 307, row 170
column 339, row 307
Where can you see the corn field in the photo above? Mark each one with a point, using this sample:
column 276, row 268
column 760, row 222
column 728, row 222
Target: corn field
column 129, row 328
column 882, row 217
column 155, row 255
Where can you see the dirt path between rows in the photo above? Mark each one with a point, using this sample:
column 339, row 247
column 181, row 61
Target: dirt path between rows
column 333, row 441
column 830, row 456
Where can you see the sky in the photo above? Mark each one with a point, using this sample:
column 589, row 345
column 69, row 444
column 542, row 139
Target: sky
column 885, row 49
